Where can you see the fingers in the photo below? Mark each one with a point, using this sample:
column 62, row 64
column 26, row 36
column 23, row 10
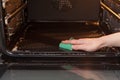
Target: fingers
column 76, row 44
column 78, row 47
column 85, row 44
column 84, row 48
column 73, row 41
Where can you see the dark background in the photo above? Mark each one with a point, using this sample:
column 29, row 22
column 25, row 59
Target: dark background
column 47, row 10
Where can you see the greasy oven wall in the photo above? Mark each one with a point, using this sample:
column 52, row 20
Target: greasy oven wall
column 112, row 19
column 13, row 16
column 63, row 10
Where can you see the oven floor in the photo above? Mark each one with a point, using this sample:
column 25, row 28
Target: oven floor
column 47, row 36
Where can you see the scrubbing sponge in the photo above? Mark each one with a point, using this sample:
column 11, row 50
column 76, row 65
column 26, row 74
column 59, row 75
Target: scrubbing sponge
column 66, row 46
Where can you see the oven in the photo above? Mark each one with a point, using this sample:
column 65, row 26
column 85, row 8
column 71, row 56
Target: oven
column 31, row 30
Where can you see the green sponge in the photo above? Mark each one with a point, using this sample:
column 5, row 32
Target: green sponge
column 66, row 46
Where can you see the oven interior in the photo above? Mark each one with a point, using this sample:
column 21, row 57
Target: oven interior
column 36, row 27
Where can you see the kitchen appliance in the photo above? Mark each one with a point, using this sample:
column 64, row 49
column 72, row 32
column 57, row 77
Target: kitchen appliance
column 31, row 30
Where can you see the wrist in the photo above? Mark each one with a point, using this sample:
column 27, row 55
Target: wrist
column 102, row 42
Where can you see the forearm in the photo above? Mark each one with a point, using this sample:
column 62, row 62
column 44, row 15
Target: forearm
column 110, row 40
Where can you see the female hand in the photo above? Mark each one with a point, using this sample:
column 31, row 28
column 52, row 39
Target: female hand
column 87, row 44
